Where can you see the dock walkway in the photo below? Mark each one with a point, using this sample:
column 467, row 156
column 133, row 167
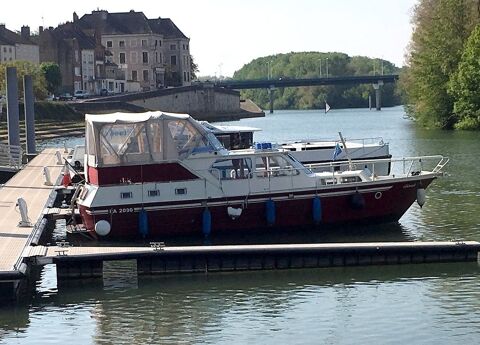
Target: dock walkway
column 29, row 185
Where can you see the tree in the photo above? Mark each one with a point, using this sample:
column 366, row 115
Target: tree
column 464, row 85
column 193, row 69
column 53, row 76
column 441, row 28
column 24, row 68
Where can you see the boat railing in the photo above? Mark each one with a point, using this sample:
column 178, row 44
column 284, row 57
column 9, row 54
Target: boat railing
column 11, row 156
column 361, row 141
column 408, row 166
column 405, row 165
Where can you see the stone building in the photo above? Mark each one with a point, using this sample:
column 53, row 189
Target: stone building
column 17, row 47
column 152, row 52
column 119, row 52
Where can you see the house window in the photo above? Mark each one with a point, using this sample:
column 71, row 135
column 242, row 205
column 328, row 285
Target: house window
column 173, row 60
column 145, row 75
column 159, row 43
column 173, row 46
column 77, row 71
column 121, row 44
column 109, row 44
column 184, row 76
column 122, row 57
column 145, row 57
column 134, row 76
column 144, row 43
column 133, row 57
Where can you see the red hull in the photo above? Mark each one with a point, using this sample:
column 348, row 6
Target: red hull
column 291, row 210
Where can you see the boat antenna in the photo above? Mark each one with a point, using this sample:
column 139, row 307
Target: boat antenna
column 350, row 165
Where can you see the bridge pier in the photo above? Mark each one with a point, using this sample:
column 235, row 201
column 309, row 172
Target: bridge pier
column 378, row 95
column 270, row 95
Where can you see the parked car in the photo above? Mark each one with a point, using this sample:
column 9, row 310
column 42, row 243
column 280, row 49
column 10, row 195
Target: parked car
column 81, row 94
column 65, row 97
column 105, row 92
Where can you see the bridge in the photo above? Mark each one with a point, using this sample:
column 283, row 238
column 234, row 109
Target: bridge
column 271, row 84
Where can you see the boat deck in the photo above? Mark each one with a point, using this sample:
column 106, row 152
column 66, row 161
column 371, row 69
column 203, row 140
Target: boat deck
column 29, row 185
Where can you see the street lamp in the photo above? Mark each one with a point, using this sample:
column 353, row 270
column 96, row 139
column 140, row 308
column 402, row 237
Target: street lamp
column 327, row 67
column 269, row 69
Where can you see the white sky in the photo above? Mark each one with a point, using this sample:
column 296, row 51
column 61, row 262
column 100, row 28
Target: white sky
column 226, row 34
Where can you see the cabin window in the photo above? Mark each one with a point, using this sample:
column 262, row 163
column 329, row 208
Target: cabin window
column 274, row 166
column 180, row 191
column 126, row 195
column 350, row 179
column 232, row 169
column 153, row 193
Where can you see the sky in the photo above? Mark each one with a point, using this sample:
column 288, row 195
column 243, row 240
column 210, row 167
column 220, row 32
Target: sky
column 225, row 35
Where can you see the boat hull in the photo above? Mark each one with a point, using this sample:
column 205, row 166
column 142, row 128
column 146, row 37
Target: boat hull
column 375, row 203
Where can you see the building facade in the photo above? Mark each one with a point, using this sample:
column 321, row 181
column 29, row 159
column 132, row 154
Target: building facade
column 18, row 47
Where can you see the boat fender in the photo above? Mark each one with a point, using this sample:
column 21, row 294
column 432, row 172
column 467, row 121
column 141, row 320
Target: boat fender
column 317, row 210
column 421, row 196
column 233, row 212
column 206, row 222
column 357, row 201
column 66, row 179
column 143, row 223
column 102, row 228
column 270, row 212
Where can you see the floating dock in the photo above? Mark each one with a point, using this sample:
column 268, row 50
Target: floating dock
column 88, row 262
column 28, row 184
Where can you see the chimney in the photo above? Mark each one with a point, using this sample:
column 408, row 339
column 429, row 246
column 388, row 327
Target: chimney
column 75, row 17
column 25, row 32
column 2, row 27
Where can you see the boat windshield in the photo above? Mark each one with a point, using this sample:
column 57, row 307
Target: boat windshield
column 156, row 139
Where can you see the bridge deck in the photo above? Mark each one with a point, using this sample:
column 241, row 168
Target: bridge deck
column 29, row 185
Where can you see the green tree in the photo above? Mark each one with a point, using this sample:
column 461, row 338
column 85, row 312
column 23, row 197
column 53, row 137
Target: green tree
column 193, row 68
column 465, row 85
column 24, row 68
column 53, row 76
column 441, row 28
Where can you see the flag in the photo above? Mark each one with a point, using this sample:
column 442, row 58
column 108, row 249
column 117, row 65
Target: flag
column 327, row 107
column 337, row 151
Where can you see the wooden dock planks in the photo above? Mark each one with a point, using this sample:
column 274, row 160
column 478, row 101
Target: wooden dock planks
column 29, row 185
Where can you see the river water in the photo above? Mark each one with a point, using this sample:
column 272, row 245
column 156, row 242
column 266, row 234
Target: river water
column 420, row 304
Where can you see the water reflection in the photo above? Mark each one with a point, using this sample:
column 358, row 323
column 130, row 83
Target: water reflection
column 294, row 306
column 428, row 304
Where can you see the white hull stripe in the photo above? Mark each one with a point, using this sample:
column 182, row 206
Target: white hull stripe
column 245, row 200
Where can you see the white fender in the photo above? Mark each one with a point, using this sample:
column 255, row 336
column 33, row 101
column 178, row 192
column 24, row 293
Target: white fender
column 234, row 213
column 102, row 227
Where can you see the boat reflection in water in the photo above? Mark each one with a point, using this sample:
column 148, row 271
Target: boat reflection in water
column 161, row 174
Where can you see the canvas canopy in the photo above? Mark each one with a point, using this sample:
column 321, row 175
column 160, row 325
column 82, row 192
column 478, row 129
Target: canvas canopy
column 144, row 138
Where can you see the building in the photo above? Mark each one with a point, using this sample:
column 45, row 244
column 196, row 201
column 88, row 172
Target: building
column 82, row 59
column 18, row 47
column 153, row 53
